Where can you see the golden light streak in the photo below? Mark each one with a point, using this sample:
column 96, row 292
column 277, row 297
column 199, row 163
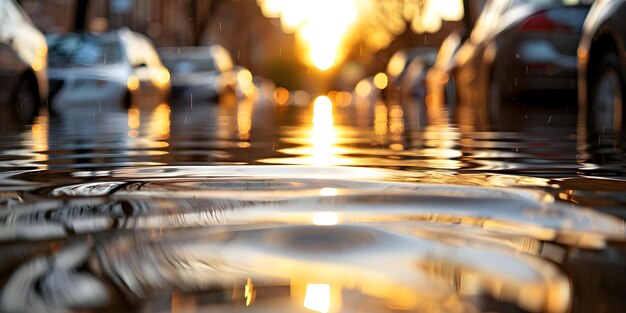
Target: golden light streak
column 160, row 122
column 322, row 111
column 249, row 292
column 317, row 297
column 325, row 218
column 244, row 118
column 323, row 136
column 133, row 121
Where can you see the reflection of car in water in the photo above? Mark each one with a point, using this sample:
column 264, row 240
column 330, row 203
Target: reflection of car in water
column 101, row 69
column 518, row 46
column 23, row 82
column 198, row 72
column 602, row 66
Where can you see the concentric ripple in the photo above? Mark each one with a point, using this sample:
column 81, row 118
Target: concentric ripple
column 284, row 238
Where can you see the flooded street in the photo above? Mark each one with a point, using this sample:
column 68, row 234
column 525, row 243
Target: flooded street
column 329, row 207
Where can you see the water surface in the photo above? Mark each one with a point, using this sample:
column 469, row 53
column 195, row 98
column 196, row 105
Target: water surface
column 194, row 207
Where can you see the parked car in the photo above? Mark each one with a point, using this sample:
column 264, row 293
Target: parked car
column 23, row 51
column 412, row 83
column 112, row 68
column 201, row 73
column 399, row 63
column 517, row 46
column 440, row 84
column 602, row 67
column 404, row 71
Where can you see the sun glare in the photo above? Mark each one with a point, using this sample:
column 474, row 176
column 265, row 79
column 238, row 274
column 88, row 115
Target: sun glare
column 320, row 25
column 317, row 297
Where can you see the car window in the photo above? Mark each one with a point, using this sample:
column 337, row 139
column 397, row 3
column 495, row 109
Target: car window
column 186, row 63
column 82, row 50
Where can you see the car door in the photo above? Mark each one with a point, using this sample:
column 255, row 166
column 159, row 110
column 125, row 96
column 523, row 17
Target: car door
column 10, row 62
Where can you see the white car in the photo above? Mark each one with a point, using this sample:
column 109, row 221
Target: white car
column 199, row 73
column 23, row 82
column 104, row 69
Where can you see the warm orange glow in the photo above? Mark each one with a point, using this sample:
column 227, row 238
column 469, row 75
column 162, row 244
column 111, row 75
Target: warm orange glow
column 133, row 121
column 281, row 96
column 244, row 118
column 320, row 25
column 38, row 64
column 380, row 119
column 249, row 292
column 396, row 64
column 39, row 136
column 244, row 80
column 363, row 88
column 317, row 297
column 160, row 122
column 322, row 111
column 163, row 77
column 41, row 50
column 132, row 83
column 324, row 135
column 380, row 81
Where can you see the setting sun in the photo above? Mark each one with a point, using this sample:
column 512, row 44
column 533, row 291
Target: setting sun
column 320, row 25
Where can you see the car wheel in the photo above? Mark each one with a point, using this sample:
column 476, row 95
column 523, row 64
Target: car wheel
column 25, row 104
column 494, row 103
column 607, row 97
column 127, row 100
column 451, row 95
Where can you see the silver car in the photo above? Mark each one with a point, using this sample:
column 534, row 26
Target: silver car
column 23, row 51
column 114, row 68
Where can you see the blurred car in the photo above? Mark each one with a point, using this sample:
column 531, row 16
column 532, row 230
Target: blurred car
column 412, row 83
column 406, row 71
column 399, row 63
column 23, row 51
column 440, row 85
column 118, row 67
column 201, row 73
column 517, row 46
column 602, row 66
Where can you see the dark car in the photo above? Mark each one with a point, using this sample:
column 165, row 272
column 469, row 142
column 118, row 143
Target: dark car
column 23, row 52
column 515, row 47
column 602, row 67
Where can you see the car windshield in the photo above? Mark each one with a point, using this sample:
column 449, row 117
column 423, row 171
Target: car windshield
column 83, row 50
column 184, row 64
